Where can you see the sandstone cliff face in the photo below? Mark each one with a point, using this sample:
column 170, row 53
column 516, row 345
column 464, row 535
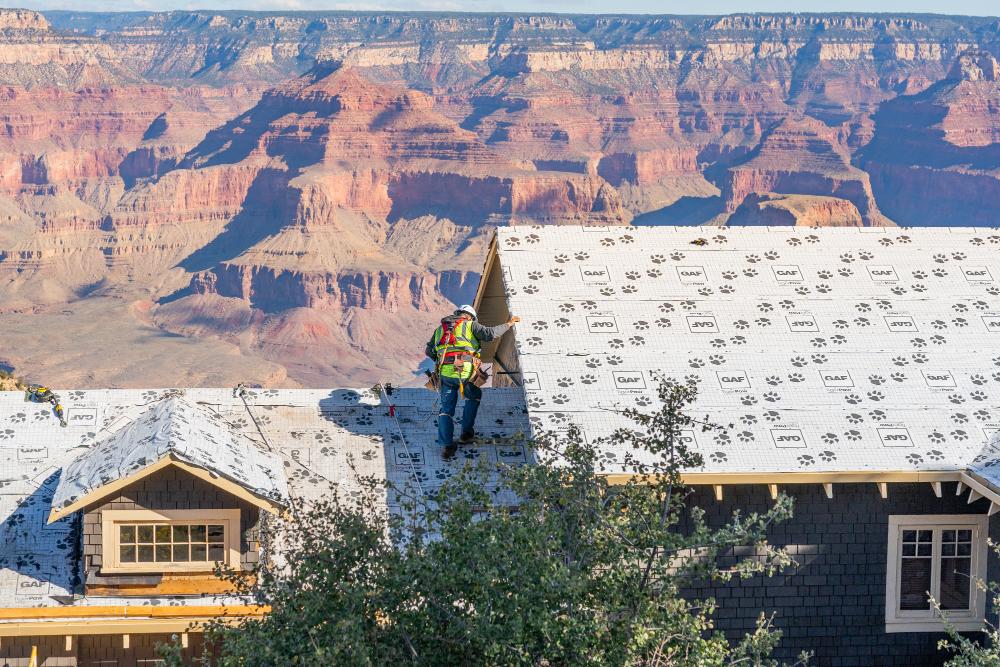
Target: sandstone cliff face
column 289, row 192
column 935, row 156
column 801, row 156
column 796, row 211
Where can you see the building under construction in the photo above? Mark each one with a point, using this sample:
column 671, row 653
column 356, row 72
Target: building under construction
column 860, row 370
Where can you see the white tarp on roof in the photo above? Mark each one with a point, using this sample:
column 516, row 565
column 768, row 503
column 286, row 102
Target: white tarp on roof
column 826, row 349
column 174, row 427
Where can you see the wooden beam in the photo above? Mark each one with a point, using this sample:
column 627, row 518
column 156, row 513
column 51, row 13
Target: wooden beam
column 130, row 612
column 69, row 643
column 109, row 627
column 125, row 641
column 974, row 496
column 982, row 487
column 843, row 477
column 937, row 488
column 491, row 261
column 184, row 640
column 883, row 489
column 773, row 489
column 718, row 491
column 959, row 489
column 994, row 508
column 828, row 488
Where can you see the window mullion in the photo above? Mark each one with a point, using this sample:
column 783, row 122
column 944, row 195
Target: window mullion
column 935, row 566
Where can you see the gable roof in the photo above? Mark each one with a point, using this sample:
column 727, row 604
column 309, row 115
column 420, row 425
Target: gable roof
column 850, row 351
column 174, row 432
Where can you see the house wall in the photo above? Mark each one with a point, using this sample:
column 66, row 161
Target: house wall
column 92, row 650
column 833, row 601
column 171, row 488
column 108, row 651
column 16, row 652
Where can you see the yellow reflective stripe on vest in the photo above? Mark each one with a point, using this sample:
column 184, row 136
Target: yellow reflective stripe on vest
column 465, row 341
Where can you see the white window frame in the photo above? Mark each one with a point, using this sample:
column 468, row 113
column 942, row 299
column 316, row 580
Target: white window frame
column 110, row 554
column 897, row 620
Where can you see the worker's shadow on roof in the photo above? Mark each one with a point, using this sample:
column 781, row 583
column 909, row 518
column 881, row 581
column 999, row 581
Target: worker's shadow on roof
column 36, row 549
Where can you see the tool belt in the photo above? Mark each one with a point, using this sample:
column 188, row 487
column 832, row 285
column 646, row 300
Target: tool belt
column 459, row 359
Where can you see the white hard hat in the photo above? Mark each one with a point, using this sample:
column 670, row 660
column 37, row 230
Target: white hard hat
column 467, row 309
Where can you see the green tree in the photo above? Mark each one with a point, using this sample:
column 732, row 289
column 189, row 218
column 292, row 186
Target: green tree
column 548, row 564
column 982, row 649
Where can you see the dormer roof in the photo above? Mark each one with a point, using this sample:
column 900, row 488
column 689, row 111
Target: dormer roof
column 173, row 432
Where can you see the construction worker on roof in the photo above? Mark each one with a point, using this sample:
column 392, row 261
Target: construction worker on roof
column 454, row 348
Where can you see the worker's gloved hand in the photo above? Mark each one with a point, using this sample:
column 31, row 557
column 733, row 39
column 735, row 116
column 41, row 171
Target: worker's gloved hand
column 514, row 319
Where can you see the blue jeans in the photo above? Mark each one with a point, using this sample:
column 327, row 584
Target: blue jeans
column 449, row 400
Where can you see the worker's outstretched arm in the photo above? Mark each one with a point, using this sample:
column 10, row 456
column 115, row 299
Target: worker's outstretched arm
column 486, row 334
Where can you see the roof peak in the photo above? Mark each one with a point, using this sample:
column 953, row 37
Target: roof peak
column 173, row 430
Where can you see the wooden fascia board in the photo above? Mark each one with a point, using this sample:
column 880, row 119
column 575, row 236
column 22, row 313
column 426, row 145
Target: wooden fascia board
column 841, row 477
column 106, row 490
column 118, row 626
column 118, row 619
column 109, row 489
column 492, row 260
column 981, row 486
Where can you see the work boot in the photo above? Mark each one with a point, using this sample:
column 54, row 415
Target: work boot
column 449, row 452
column 467, row 438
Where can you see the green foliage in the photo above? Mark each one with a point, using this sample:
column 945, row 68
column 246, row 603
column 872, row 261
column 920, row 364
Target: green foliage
column 983, row 649
column 547, row 564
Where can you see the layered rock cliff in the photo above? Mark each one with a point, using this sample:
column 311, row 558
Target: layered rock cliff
column 233, row 191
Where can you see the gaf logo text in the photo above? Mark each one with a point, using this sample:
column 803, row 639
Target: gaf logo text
column 595, row 274
column 691, row 274
column 406, row 458
column 81, row 416
column 32, row 453
column 702, row 324
column 510, row 455
column 686, row 438
column 789, row 272
column 836, row 379
column 601, row 324
column 629, row 380
column 733, row 379
column 299, row 455
column 992, row 322
column 939, row 378
column 530, row 381
column 903, row 323
column 884, row 272
column 976, row 273
column 894, row 437
column 787, row 437
column 801, row 322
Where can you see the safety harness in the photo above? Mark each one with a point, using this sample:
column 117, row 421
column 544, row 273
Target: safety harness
column 457, row 350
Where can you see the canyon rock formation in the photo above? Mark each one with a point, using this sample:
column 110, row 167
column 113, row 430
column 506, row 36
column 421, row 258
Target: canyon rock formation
column 295, row 199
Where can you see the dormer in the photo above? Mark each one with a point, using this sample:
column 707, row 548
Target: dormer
column 166, row 499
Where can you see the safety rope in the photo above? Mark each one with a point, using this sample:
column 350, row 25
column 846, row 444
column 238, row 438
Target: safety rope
column 384, row 397
column 240, row 391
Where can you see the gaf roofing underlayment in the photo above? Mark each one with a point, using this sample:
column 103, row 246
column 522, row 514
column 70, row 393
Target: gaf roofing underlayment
column 872, row 349
column 313, row 433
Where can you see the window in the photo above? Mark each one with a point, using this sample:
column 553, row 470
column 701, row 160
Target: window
column 938, row 556
column 169, row 540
